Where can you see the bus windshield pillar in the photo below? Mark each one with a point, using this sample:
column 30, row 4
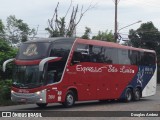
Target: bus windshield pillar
column 43, row 61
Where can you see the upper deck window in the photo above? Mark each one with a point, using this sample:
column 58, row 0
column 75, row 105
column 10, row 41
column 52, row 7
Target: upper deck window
column 148, row 59
column 81, row 54
column 32, row 51
column 61, row 49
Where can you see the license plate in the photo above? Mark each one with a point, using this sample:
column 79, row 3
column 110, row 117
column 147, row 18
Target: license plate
column 23, row 100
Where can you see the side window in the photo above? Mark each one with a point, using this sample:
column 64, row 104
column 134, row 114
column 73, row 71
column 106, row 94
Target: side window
column 81, row 54
column 97, row 54
column 111, row 55
column 124, row 57
column 61, row 49
column 134, row 57
column 147, row 59
column 54, row 72
column 151, row 59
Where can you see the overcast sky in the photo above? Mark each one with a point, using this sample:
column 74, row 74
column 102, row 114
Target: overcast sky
column 101, row 17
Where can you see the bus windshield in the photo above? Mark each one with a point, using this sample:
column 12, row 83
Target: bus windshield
column 30, row 51
column 27, row 77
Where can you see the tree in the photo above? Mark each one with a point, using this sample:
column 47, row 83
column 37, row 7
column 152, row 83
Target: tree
column 146, row 36
column 4, row 46
column 58, row 27
column 6, row 52
column 2, row 28
column 86, row 33
column 17, row 30
column 105, row 36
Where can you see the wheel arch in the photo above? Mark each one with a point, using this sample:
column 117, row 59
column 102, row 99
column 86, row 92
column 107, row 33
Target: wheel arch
column 130, row 87
column 122, row 96
column 75, row 91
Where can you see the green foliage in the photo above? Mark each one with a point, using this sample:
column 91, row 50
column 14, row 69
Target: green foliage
column 58, row 27
column 5, row 90
column 105, row 36
column 59, row 31
column 17, row 30
column 4, row 46
column 6, row 52
column 86, row 33
column 146, row 36
column 2, row 27
column 53, row 33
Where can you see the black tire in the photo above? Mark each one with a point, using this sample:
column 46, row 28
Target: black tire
column 41, row 105
column 70, row 99
column 103, row 101
column 137, row 94
column 128, row 95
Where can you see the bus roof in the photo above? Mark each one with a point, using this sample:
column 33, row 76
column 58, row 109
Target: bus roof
column 92, row 42
column 111, row 44
column 50, row 39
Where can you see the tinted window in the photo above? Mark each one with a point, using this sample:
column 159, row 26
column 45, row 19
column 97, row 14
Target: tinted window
column 97, row 54
column 61, row 49
column 124, row 57
column 134, row 57
column 30, row 51
column 147, row 59
column 54, row 72
column 111, row 55
column 81, row 54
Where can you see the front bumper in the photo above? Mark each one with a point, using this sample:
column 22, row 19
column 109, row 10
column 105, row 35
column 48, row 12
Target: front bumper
column 37, row 97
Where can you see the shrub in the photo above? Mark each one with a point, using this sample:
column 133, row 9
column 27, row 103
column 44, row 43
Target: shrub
column 5, row 89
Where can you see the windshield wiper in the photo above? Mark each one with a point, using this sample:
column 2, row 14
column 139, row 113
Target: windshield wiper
column 32, row 84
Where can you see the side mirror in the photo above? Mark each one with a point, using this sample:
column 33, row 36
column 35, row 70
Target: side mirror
column 6, row 62
column 43, row 61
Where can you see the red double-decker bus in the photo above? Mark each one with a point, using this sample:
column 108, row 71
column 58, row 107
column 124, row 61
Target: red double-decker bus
column 66, row 70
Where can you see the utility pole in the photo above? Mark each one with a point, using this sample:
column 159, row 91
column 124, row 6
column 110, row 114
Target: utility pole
column 116, row 26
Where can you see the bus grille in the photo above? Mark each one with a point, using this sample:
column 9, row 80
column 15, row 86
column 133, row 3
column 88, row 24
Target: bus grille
column 26, row 95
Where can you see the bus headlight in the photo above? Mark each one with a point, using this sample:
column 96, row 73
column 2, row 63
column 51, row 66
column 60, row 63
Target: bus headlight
column 38, row 93
column 12, row 91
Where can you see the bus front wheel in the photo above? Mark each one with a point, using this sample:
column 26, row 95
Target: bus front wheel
column 70, row 99
column 128, row 95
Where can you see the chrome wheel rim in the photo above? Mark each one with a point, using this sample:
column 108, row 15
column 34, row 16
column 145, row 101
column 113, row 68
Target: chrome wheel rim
column 129, row 96
column 137, row 95
column 70, row 99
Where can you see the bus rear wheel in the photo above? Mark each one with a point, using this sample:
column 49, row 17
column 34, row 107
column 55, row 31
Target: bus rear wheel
column 128, row 95
column 70, row 99
column 137, row 94
column 41, row 105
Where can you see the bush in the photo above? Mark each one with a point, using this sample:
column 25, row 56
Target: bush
column 6, row 52
column 5, row 89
